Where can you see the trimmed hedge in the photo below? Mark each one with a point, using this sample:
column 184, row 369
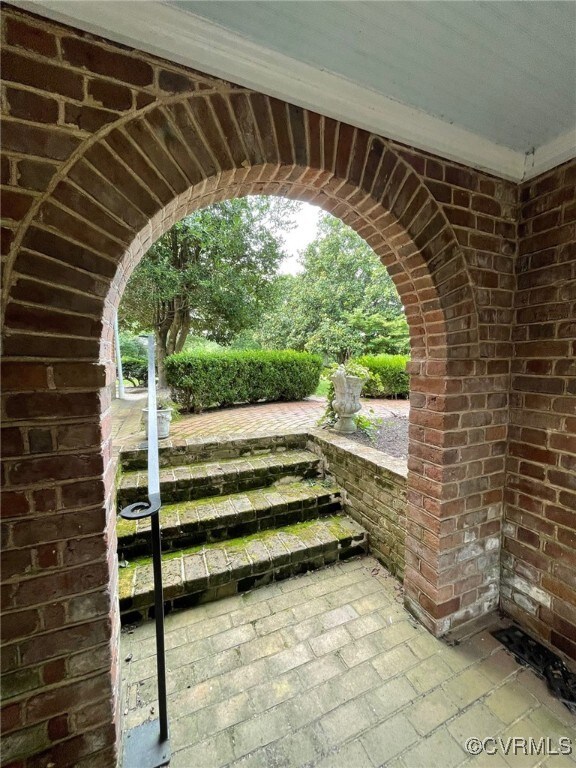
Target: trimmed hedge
column 135, row 370
column 388, row 376
column 203, row 379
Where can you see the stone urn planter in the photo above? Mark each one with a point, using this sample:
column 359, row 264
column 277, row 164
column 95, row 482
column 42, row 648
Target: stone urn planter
column 163, row 419
column 346, row 402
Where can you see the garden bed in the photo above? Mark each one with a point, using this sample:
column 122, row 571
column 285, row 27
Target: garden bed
column 391, row 437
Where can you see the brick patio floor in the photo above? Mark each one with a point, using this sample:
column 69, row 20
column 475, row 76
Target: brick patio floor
column 265, row 418
column 329, row 670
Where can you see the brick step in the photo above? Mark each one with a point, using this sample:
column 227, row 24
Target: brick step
column 206, row 573
column 212, row 448
column 227, row 517
column 216, row 478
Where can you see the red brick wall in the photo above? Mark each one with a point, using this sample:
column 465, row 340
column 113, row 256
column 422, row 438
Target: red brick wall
column 459, row 408
column 103, row 149
column 539, row 558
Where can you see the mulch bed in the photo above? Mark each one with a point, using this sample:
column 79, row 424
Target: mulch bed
column 391, row 437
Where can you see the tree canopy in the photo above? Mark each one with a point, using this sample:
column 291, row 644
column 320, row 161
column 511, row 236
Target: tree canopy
column 343, row 303
column 213, row 277
column 212, row 274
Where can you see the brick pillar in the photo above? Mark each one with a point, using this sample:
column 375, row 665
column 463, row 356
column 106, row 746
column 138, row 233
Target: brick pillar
column 455, row 489
column 59, row 625
column 539, row 557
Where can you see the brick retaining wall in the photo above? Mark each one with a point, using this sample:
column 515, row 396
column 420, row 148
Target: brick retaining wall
column 374, row 493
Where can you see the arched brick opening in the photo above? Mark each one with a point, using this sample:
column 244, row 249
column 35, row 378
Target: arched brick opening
column 96, row 198
column 423, row 306
column 359, row 178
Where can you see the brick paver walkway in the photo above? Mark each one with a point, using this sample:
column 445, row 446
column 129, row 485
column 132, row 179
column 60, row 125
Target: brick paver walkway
column 265, row 418
column 329, row 670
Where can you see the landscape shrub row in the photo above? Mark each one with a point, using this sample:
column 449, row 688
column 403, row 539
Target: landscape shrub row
column 388, row 375
column 135, row 370
column 201, row 380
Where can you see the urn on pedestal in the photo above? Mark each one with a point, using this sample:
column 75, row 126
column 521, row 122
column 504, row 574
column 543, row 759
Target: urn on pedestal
column 164, row 419
column 166, row 412
column 346, row 402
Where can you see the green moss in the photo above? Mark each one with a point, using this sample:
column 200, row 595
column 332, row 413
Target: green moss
column 303, row 530
column 298, row 488
column 168, row 518
column 125, row 527
column 336, row 528
column 125, row 579
column 175, row 554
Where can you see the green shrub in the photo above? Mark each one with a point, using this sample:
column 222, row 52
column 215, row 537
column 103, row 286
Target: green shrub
column 133, row 346
column 135, row 370
column 205, row 379
column 388, row 376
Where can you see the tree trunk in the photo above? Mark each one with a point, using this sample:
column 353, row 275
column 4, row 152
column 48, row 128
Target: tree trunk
column 182, row 333
column 171, row 335
column 160, row 358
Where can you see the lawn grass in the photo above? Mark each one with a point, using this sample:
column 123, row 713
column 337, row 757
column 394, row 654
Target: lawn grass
column 322, row 390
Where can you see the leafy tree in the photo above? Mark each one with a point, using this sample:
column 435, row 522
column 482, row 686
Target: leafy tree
column 344, row 303
column 200, row 344
column 211, row 274
column 274, row 331
column 132, row 346
column 381, row 336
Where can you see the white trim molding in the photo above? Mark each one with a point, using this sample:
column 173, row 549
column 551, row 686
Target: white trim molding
column 550, row 155
column 181, row 37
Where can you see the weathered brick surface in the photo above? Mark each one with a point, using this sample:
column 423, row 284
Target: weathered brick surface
column 539, row 557
column 136, row 144
column 229, row 517
column 226, row 568
column 215, row 478
column 373, row 493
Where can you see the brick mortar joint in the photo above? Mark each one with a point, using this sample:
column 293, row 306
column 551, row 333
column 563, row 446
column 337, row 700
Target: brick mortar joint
column 324, row 441
column 61, row 30
column 77, row 154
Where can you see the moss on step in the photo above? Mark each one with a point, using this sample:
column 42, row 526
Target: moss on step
column 211, row 571
column 125, row 581
column 170, row 515
column 125, row 527
column 279, row 459
column 302, row 530
column 336, row 528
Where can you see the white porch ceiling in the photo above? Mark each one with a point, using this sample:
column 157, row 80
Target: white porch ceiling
column 488, row 84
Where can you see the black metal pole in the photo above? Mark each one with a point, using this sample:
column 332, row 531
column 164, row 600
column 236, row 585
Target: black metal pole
column 159, row 618
column 146, row 747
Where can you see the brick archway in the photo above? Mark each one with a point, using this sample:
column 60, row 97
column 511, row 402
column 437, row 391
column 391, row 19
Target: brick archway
column 360, row 178
column 162, row 143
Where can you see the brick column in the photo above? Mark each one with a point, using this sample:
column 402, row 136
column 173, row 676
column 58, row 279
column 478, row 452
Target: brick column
column 59, row 625
column 539, row 557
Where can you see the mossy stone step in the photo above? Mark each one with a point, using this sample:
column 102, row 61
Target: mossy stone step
column 215, row 478
column 212, row 448
column 227, row 517
column 202, row 574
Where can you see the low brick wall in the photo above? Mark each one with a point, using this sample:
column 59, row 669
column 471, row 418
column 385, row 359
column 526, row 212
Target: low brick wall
column 373, row 492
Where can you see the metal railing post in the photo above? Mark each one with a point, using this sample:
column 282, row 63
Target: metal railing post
column 147, row 745
column 159, row 619
column 119, row 371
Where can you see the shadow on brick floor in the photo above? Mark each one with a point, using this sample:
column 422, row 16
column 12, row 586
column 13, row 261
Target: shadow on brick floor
column 329, row 669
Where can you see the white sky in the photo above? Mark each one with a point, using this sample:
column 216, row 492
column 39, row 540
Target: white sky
column 296, row 240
